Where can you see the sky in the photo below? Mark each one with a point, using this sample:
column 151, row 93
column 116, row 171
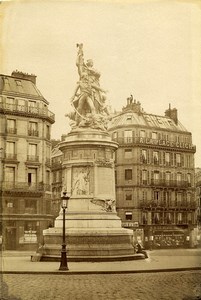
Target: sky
column 151, row 49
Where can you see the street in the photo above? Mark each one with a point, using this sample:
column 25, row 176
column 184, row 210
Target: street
column 154, row 278
column 168, row 285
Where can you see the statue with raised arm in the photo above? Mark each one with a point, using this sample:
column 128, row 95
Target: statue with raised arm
column 89, row 99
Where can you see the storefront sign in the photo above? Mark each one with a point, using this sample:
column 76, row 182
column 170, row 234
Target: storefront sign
column 130, row 224
column 165, row 143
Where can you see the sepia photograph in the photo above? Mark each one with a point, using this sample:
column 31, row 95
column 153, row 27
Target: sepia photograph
column 100, row 150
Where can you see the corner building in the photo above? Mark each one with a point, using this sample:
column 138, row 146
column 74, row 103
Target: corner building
column 155, row 186
column 25, row 162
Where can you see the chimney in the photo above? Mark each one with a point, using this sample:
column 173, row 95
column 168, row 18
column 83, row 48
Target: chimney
column 172, row 114
column 22, row 75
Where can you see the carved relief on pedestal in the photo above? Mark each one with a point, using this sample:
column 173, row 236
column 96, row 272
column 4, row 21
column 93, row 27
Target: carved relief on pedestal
column 81, row 180
column 104, row 163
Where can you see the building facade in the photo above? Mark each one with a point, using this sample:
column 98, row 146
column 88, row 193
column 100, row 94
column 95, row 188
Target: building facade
column 198, row 198
column 155, row 185
column 57, row 159
column 25, row 181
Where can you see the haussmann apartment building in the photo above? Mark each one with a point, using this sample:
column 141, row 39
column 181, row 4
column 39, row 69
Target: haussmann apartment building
column 25, row 162
column 155, row 177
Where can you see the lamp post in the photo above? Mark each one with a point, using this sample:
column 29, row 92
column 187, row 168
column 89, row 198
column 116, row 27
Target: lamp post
column 64, row 263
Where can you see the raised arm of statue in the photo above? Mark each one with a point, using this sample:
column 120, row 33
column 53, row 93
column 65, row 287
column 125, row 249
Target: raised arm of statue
column 80, row 59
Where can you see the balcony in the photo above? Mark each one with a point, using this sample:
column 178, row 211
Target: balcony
column 32, row 132
column 170, row 183
column 11, row 130
column 192, row 205
column 10, row 156
column 27, row 111
column 24, row 186
column 142, row 141
column 33, row 158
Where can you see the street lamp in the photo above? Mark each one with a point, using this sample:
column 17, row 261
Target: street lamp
column 64, row 205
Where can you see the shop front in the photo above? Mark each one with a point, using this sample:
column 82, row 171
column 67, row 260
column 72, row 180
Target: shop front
column 162, row 237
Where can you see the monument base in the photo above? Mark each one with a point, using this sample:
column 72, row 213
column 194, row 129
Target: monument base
column 88, row 245
column 93, row 229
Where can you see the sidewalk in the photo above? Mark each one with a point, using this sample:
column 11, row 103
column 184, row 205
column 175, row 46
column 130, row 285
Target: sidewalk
column 158, row 261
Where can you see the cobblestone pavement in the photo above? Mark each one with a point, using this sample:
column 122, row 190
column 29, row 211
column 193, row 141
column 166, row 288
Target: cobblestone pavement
column 140, row 286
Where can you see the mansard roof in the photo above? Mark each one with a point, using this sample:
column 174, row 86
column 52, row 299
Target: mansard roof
column 133, row 115
column 145, row 120
column 19, row 86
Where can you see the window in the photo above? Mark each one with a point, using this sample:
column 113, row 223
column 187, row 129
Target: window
column 156, row 177
column 178, row 177
column 48, row 150
column 167, row 177
column 32, row 103
column 155, row 157
column 144, row 195
column 178, row 159
column 114, row 135
column 32, row 152
column 128, row 153
column 6, row 82
column 128, row 136
column 179, row 199
column 129, row 119
column 33, row 129
column 48, row 180
column 179, row 218
column 142, row 133
column 128, row 215
column 10, row 103
column 156, row 218
column 188, row 161
column 30, row 225
column 188, row 198
column 10, row 174
column 32, row 176
column 30, row 206
column 33, row 107
column 10, row 150
column 128, row 174
column 189, row 179
column 154, row 135
column 30, row 233
column 168, row 218
column 167, row 158
column 128, row 195
column 19, row 85
column 190, row 218
column 144, row 218
column 48, row 132
column 144, row 156
column 21, row 105
column 11, row 126
column 156, row 195
column 144, row 176
column 10, row 100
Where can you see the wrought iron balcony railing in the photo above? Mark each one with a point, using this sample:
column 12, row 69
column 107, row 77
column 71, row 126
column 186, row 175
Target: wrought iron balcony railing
column 170, row 205
column 11, row 156
column 32, row 132
column 33, row 158
column 40, row 112
column 170, row 183
column 11, row 130
column 24, row 186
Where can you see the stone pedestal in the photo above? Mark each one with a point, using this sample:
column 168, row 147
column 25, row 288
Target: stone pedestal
column 93, row 229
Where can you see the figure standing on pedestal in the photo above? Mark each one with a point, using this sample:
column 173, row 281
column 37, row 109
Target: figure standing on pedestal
column 89, row 98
